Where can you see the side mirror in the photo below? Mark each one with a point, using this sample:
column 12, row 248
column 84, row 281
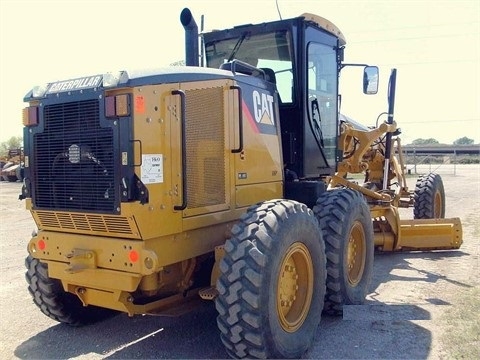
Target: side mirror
column 370, row 80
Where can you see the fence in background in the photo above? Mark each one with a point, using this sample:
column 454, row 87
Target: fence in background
column 439, row 159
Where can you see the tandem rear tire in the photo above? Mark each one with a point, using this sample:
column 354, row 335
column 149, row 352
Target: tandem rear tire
column 272, row 282
column 53, row 301
column 347, row 230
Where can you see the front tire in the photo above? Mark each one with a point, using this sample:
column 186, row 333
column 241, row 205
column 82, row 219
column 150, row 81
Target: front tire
column 347, row 230
column 429, row 197
column 272, row 282
column 53, row 301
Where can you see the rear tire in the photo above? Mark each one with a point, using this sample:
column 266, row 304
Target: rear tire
column 53, row 301
column 272, row 282
column 347, row 230
column 429, row 197
column 19, row 173
column 2, row 164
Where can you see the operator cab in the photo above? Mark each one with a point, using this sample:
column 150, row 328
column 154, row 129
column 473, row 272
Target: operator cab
column 302, row 56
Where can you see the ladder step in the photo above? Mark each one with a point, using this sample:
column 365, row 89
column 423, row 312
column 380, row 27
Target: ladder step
column 209, row 293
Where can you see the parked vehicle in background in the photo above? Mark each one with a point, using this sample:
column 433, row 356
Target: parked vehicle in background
column 12, row 167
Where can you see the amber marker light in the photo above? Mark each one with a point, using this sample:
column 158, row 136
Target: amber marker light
column 121, row 105
column 30, row 116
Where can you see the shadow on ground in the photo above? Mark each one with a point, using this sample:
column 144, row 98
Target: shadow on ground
column 372, row 331
column 193, row 335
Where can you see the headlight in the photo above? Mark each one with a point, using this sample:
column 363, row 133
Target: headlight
column 111, row 79
column 39, row 91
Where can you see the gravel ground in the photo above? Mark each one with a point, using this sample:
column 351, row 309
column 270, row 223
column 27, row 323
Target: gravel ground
column 421, row 306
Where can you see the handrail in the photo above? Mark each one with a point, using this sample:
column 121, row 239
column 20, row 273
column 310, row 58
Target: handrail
column 184, row 154
column 240, row 120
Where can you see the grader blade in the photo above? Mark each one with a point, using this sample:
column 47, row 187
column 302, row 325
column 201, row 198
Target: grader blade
column 429, row 234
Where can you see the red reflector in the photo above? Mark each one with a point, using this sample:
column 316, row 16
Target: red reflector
column 133, row 255
column 110, row 106
column 33, row 115
column 41, row 245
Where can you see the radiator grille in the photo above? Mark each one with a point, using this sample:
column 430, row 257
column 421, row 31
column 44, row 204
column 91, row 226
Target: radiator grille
column 205, row 135
column 74, row 163
column 75, row 222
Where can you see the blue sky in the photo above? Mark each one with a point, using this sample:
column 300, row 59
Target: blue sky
column 435, row 45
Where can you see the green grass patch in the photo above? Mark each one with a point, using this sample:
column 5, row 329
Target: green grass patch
column 461, row 336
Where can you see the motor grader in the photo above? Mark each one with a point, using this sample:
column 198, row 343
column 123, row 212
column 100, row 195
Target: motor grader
column 11, row 168
column 153, row 190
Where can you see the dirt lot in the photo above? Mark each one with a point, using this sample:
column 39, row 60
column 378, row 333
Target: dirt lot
column 421, row 306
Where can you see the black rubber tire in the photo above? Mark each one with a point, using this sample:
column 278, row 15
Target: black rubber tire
column 12, row 178
column 250, row 284
column 53, row 301
column 346, row 225
column 429, row 197
column 19, row 173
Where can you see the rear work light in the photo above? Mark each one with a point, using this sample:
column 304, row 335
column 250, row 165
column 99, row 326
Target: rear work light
column 30, row 116
column 39, row 91
column 117, row 105
column 111, row 79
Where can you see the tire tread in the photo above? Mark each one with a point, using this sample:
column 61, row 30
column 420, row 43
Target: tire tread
column 238, row 304
column 332, row 210
column 54, row 302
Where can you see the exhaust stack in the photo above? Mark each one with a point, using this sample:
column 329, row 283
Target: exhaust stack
column 191, row 37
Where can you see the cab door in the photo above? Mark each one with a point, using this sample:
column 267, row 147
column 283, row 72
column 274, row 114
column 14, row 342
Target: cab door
column 322, row 106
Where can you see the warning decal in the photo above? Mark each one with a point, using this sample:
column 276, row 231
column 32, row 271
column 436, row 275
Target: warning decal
column 140, row 104
column 152, row 168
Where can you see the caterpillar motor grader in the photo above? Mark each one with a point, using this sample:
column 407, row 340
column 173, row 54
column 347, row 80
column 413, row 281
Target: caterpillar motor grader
column 11, row 169
column 155, row 189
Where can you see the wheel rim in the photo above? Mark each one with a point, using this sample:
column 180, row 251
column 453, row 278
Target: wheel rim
column 437, row 205
column 356, row 253
column 295, row 287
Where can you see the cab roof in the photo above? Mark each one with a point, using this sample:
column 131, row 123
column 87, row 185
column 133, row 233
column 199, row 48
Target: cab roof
column 326, row 25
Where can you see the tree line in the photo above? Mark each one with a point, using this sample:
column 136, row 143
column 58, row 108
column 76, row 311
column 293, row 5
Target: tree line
column 15, row 142
column 431, row 141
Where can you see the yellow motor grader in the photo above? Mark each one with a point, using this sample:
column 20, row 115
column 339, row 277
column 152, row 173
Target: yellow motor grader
column 155, row 189
column 11, row 168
